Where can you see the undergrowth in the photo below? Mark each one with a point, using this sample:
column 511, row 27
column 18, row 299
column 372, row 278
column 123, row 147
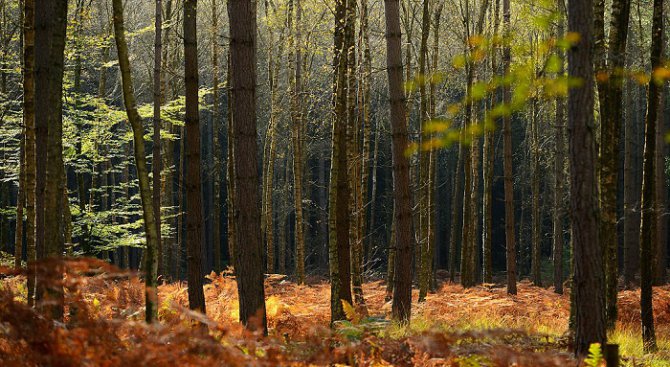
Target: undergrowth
column 481, row 326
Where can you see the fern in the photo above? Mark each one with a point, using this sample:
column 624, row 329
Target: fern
column 595, row 356
column 350, row 312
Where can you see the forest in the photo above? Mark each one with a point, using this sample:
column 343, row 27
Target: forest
column 334, row 183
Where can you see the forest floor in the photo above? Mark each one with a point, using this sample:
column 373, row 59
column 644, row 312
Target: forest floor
column 481, row 326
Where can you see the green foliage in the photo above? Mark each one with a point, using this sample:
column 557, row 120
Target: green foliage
column 595, row 357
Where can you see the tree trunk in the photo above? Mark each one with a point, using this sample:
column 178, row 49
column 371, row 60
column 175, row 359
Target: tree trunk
column 559, row 171
column 510, row 237
column 589, row 282
column 402, row 290
column 425, row 195
column 156, row 158
column 295, row 85
column 248, row 249
column 661, row 196
column 536, row 259
column 20, row 201
column 151, row 256
column 648, row 216
column 29, row 120
column 230, row 136
column 216, row 144
column 611, row 116
column 194, row 215
column 487, row 171
column 338, row 239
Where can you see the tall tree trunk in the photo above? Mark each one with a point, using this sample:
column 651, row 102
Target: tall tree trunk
column 29, row 121
column 589, row 282
column 402, row 290
column 53, row 215
column 248, row 249
column 510, row 237
column 536, row 260
column 151, row 255
column 156, row 154
column 295, row 85
column 230, row 174
column 631, row 234
column 21, row 194
column 488, row 162
column 338, row 239
column 425, row 196
column 456, row 213
column 648, row 216
column 611, row 115
column 216, row 144
column 559, row 170
column 194, row 214
column 20, row 203
column 661, row 196
column 366, row 204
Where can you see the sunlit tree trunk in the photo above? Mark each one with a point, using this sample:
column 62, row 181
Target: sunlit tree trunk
column 151, row 260
column 274, row 57
column 295, row 92
column 338, row 238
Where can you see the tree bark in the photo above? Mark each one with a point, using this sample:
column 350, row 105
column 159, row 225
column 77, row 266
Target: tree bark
column 589, row 282
column 648, row 214
column 559, row 171
column 194, row 214
column 156, row 156
column 611, row 115
column 402, row 290
column 29, row 120
column 338, row 239
column 248, row 249
column 510, row 237
column 151, row 255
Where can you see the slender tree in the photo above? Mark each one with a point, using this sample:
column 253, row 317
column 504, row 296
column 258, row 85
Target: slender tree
column 611, row 91
column 30, row 149
column 156, row 153
column 508, row 171
column 151, row 254
column 648, row 214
